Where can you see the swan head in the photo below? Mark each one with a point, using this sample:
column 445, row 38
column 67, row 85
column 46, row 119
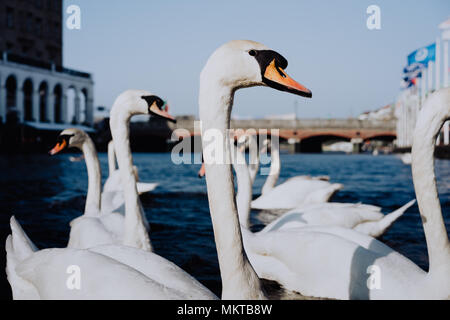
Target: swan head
column 133, row 102
column 158, row 107
column 244, row 63
column 69, row 138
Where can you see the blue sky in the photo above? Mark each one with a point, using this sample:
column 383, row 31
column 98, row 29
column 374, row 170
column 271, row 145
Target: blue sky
column 161, row 46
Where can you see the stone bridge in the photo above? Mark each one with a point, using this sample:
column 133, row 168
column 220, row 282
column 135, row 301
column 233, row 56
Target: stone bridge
column 306, row 134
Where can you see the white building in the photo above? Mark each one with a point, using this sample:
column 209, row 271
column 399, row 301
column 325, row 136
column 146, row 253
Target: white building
column 406, row 110
column 410, row 101
column 43, row 96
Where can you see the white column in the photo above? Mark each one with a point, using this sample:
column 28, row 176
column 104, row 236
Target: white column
column 19, row 104
column 77, row 108
column 423, row 87
column 36, row 111
column 51, row 107
column 430, row 76
column 64, row 111
column 3, row 102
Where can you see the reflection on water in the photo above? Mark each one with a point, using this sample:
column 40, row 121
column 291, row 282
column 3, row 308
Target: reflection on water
column 45, row 193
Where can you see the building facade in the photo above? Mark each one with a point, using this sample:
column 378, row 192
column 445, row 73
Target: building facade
column 30, row 94
column 32, row 29
column 35, row 89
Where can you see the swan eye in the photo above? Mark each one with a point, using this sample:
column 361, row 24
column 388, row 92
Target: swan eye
column 252, row 53
column 163, row 105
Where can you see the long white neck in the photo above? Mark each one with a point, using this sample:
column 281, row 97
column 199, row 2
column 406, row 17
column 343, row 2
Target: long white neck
column 135, row 232
column 239, row 280
column 275, row 167
column 111, row 158
column 244, row 188
column 93, row 200
column 253, row 165
column 429, row 123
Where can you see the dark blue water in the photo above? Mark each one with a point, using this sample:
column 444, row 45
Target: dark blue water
column 45, row 193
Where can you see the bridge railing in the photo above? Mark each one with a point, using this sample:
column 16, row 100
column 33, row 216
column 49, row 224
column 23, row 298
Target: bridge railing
column 188, row 123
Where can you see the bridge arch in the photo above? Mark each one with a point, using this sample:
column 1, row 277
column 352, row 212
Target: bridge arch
column 314, row 143
column 383, row 136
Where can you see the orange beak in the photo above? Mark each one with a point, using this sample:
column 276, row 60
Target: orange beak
column 277, row 78
column 58, row 148
column 162, row 113
column 201, row 172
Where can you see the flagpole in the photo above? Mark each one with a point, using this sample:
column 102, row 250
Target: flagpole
column 423, row 87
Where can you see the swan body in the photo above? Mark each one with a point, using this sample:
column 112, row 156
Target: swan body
column 295, row 192
column 106, row 272
column 366, row 219
column 319, row 263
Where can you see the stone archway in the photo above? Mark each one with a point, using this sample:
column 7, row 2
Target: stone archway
column 58, row 105
column 27, row 89
column 11, row 99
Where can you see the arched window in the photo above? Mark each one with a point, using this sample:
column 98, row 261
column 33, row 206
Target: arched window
column 28, row 100
column 57, row 94
column 11, row 99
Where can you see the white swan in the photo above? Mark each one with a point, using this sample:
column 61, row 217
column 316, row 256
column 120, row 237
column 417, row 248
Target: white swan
column 95, row 227
column 364, row 218
column 237, row 64
column 110, row 271
column 328, row 262
column 112, row 183
column 294, row 192
column 106, row 272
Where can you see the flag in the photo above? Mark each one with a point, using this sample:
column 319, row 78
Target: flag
column 412, row 76
column 423, row 55
column 413, row 68
column 405, row 84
